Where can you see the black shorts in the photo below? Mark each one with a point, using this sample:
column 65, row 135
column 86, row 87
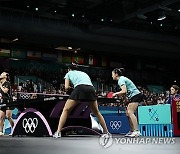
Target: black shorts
column 6, row 107
column 83, row 93
column 136, row 98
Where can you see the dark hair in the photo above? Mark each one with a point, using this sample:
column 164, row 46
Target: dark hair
column 10, row 89
column 119, row 71
column 73, row 65
column 176, row 87
column 8, row 77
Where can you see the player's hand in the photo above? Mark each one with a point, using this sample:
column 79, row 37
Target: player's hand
column 114, row 95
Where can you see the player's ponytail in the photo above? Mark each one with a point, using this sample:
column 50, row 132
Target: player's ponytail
column 73, row 66
column 119, row 71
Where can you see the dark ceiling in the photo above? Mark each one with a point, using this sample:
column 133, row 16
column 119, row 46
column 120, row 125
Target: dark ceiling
column 120, row 26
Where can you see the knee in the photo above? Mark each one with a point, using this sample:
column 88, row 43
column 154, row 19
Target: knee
column 66, row 110
column 129, row 113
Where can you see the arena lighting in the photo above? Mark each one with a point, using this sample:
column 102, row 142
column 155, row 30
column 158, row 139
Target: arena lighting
column 83, row 16
column 161, row 25
column 80, row 65
column 73, row 15
column 63, row 2
column 179, row 10
column 27, row 6
column 141, row 16
column 162, row 16
column 165, row 8
column 14, row 40
column 36, row 8
column 55, row 11
column 64, row 48
column 70, row 48
column 102, row 19
column 14, row 59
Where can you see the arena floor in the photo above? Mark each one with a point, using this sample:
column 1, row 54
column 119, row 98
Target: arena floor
column 83, row 145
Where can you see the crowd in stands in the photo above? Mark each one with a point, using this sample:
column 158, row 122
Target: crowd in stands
column 152, row 98
column 54, row 84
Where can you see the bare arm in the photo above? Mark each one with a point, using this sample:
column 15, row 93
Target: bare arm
column 67, row 84
column 122, row 92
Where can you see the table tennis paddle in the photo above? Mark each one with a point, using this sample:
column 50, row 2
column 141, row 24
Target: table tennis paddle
column 110, row 95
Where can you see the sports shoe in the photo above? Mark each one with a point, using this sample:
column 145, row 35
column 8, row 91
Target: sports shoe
column 135, row 133
column 129, row 133
column 57, row 135
column 1, row 134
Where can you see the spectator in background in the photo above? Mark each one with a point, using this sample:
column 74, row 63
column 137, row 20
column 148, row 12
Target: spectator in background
column 5, row 98
column 31, row 87
column 20, row 87
column 174, row 93
column 39, row 87
column 35, row 88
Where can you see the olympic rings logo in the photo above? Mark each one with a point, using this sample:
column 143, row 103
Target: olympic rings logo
column 30, row 124
column 25, row 96
column 115, row 124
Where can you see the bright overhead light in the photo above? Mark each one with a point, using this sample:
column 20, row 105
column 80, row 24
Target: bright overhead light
column 36, row 8
column 162, row 17
column 55, row 11
column 27, row 6
column 161, row 25
column 102, row 19
column 70, row 48
column 83, row 16
column 14, row 59
column 73, row 15
column 179, row 10
column 14, row 40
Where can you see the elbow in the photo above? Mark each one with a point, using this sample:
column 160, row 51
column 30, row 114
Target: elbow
column 123, row 92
